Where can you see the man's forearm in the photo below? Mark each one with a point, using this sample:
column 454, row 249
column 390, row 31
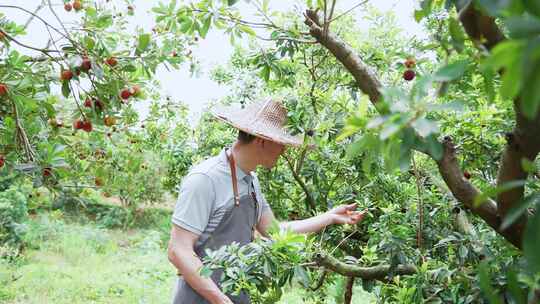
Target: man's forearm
column 312, row 224
column 189, row 264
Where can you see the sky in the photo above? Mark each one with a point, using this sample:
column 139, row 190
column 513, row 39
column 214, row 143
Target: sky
column 215, row 49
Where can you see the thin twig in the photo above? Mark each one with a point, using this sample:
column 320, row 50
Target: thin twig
column 419, row 237
column 348, row 11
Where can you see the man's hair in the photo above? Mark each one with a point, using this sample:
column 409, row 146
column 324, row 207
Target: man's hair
column 245, row 138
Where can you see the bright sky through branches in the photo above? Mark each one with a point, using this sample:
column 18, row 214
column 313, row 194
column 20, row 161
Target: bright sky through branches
column 215, row 49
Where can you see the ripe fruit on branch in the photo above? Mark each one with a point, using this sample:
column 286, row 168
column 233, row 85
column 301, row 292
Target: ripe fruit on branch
column 47, row 171
column 410, row 63
column 86, row 64
column 409, row 75
column 66, row 75
column 98, row 104
column 111, row 61
column 98, row 182
column 87, row 126
column 109, row 121
column 125, row 93
column 467, row 174
column 2, row 160
column 3, row 89
column 88, row 102
column 78, row 124
column 68, row 7
column 77, row 5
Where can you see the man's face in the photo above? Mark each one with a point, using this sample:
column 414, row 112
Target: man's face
column 270, row 152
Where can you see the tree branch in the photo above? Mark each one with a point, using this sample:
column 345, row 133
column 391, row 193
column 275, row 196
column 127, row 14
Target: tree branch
column 365, row 80
column 481, row 28
column 309, row 197
column 448, row 166
column 348, row 291
column 524, row 141
column 379, row 273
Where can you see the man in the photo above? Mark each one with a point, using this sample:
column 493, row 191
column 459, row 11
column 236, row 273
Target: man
column 220, row 201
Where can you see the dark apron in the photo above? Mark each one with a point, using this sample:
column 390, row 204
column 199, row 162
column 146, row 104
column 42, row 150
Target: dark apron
column 237, row 225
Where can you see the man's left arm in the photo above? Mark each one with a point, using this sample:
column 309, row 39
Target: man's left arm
column 345, row 214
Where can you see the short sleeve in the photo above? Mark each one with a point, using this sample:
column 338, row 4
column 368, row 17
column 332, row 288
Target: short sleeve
column 260, row 197
column 195, row 203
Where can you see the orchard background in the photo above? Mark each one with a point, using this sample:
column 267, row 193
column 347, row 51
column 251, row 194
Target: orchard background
column 435, row 134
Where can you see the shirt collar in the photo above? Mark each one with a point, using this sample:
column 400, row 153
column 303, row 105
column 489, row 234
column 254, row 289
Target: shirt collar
column 240, row 174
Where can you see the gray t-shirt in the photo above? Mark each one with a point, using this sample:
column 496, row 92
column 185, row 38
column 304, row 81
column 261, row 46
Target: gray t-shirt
column 207, row 190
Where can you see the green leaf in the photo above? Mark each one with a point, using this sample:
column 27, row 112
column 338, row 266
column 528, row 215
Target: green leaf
column 457, row 34
column 265, row 73
column 65, row 89
column 205, row 27
column 518, row 293
column 231, row 2
column 530, row 99
column 89, row 42
column 144, row 41
column 451, row 71
column 425, row 127
column 493, row 191
column 494, row 7
column 185, row 24
column 531, row 242
column 504, row 54
column 532, row 6
column 434, row 147
column 303, row 276
column 104, row 21
column 512, row 78
column 528, row 166
column 248, row 30
column 516, row 211
column 485, row 284
column 522, row 27
column 419, row 15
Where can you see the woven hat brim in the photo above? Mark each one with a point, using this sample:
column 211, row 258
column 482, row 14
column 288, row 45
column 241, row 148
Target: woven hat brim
column 236, row 117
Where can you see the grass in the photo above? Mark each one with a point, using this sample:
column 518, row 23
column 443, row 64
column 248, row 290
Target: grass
column 73, row 261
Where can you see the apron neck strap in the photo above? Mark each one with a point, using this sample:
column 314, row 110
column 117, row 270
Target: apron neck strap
column 232, row 164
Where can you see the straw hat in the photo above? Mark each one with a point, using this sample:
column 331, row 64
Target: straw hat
column 265, row 119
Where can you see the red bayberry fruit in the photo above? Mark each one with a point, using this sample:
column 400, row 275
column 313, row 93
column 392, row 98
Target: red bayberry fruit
column 98, row 182
column 409, row 75
column 98, row 104
column 2, row 160
column 410, row 63
column 68, row 7
column 78, row 124
column 467, row 174
column 66, row 75
column 77, row 5
column 86, row 64
column 87, row 126
column 111, row 61
column 88, row 102
column 3, row 89
column 47, row 171
column 125, row 94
